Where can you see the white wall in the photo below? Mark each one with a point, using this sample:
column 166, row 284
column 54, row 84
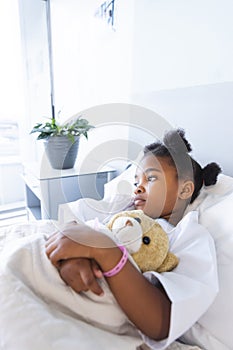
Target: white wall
column 182, row 69
column 180, row 43
column 205, row 112
column 92, row 60
column 172, row 56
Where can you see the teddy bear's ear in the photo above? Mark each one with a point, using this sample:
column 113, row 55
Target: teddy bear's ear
column 169, row 263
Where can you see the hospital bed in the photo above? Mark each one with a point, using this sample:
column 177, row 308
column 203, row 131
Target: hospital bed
column 214, row 204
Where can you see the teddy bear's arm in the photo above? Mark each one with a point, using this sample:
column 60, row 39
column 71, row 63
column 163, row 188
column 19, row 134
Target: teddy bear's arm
column 169, row 263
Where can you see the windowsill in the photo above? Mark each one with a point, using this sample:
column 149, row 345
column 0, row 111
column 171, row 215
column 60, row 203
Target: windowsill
column 12, row 206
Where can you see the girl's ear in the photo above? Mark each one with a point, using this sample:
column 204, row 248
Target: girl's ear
column 186, row 190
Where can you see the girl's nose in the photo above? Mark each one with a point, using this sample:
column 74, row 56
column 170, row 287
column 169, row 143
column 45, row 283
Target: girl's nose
column 139, row 189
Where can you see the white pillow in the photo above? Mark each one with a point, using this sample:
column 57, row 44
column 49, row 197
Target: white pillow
column 123, row 184
column 117, row 197
column 215, row 207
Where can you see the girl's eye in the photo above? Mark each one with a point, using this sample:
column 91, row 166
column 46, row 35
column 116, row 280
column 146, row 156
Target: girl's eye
column 151, row 178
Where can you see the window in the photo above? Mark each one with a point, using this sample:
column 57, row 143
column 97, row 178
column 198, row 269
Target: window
column 11, row 110
column 9, row 138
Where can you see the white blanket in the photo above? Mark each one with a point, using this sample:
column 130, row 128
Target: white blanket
column 38, row 311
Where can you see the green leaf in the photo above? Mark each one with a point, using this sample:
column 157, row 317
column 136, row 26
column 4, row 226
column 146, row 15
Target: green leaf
column 77, row 127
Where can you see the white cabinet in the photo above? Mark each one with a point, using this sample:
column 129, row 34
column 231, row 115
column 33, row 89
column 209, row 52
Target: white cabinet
column 46, row 190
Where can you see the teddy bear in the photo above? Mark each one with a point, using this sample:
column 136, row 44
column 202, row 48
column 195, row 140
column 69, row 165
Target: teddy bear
column 145, row 240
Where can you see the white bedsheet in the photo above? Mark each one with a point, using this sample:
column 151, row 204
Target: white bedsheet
column 34, row 314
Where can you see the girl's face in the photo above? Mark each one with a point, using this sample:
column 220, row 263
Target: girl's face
column 157, row 187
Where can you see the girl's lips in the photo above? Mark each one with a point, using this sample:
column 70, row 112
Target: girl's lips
column 139, row 202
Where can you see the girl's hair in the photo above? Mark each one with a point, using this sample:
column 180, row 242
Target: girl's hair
column 175, row 148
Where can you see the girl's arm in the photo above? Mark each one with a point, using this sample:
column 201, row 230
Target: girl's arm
column 147, row 306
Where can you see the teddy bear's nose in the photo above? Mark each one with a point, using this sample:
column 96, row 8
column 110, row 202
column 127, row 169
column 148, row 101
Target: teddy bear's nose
column 146, row 240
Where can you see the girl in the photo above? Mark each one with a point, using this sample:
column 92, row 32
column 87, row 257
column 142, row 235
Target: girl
column 161, row 306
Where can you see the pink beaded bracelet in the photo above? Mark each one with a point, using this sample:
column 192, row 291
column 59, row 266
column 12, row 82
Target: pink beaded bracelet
column 120, row 265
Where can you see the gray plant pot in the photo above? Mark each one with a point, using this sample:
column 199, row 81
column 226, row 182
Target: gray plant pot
column 61, row 152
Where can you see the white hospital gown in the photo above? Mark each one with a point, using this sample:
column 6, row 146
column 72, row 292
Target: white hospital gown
column 193, row 285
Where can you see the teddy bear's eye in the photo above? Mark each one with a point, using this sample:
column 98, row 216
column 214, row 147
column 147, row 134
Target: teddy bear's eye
column 146, row 240
column 138, row 220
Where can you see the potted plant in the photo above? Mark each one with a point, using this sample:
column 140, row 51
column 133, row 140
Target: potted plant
column 61, row 141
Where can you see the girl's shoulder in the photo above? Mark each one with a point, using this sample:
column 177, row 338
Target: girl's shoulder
column 191, row 218
column 187, row 232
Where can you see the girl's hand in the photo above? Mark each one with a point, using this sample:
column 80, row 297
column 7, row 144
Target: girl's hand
column 59, row 247
column 76, row 241
column 81, row 275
